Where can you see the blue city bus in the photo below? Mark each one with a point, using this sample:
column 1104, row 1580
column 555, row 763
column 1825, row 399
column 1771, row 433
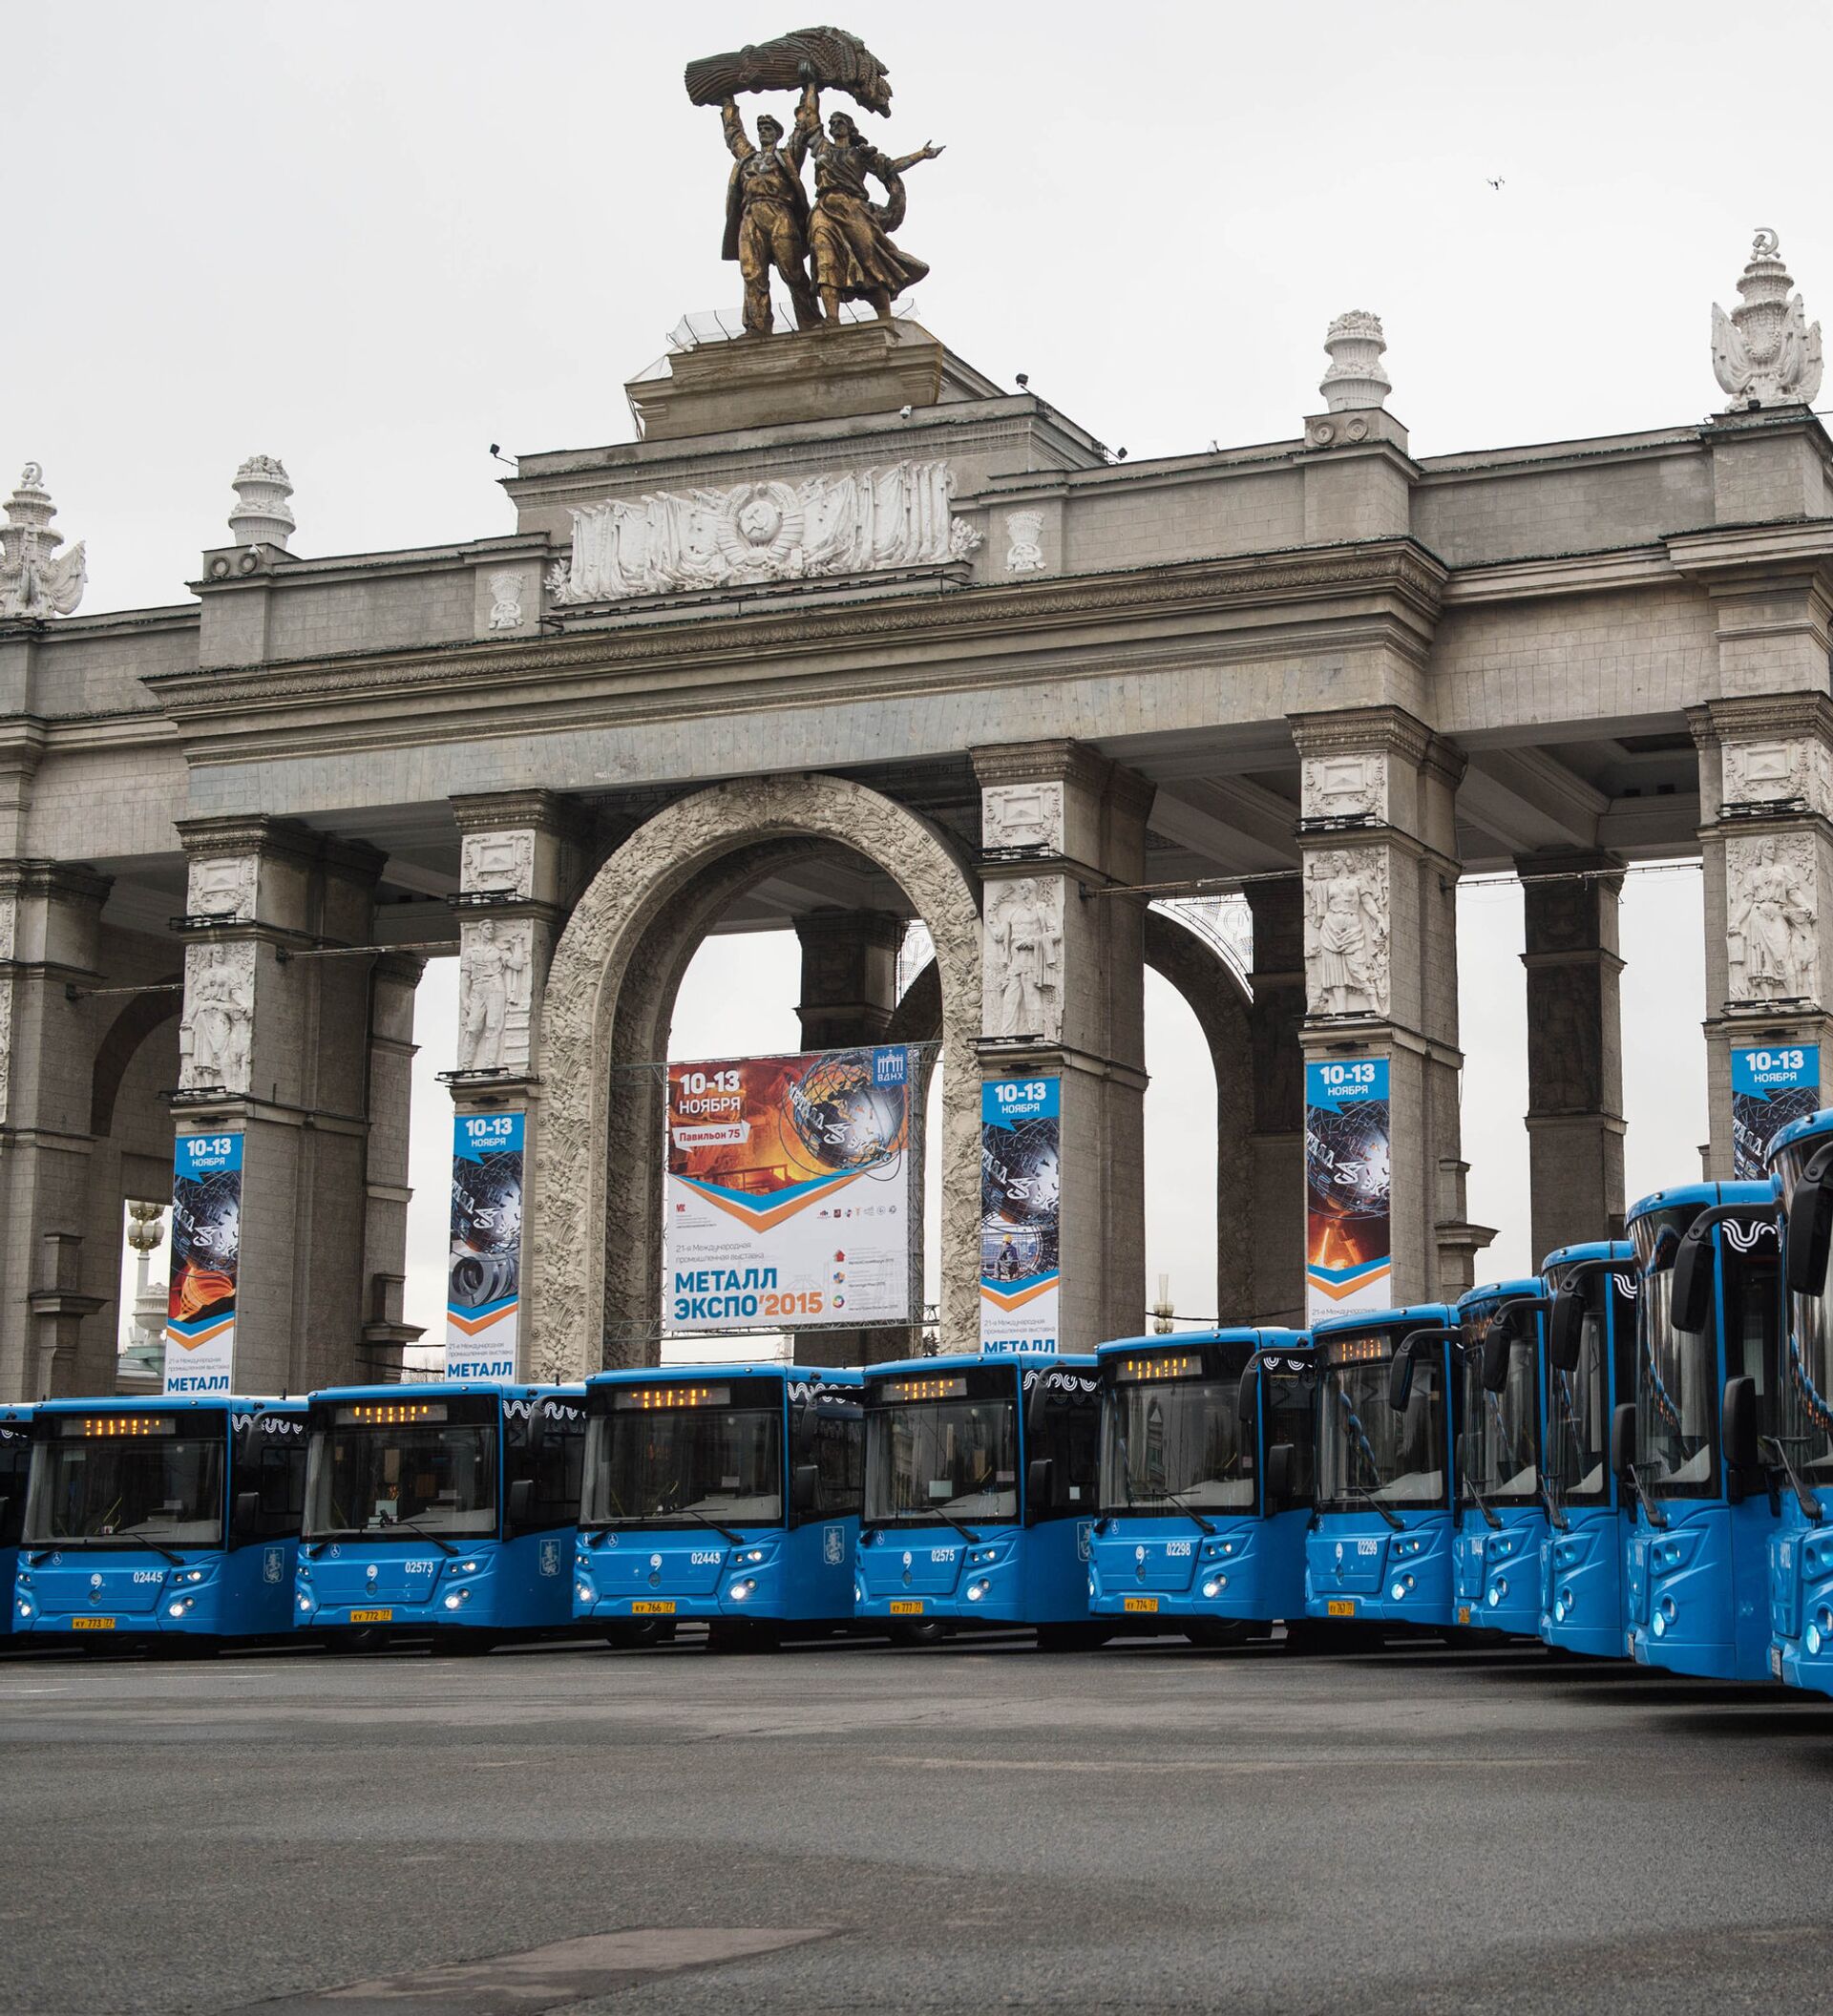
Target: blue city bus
column 1500, row 1526
column 445, row 1508
column 1204, row 1491
column 16, row 1470
column 1709, row 1334
column 1378, row 1547
column 727, row 1494
column 1591, row 1368
column 167, row 1522
column 980, row 1497
column 1801, row 1550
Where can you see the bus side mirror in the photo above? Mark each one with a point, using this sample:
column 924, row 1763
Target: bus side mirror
column 521, row 1501
column 1691, row 1301
column 1495, row 1357
column 1566, row 1329
column 1737, row 1432
column 805, row 1487
column 1623, row 1440
column 1247, row 1395
column 1279, row 1476
column 1399, row 1378
column 1040, row 1484
column 246, row 1514
column 1810, row 1227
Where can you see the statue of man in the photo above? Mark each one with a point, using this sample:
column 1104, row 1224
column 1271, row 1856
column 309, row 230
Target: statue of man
column 854, row 259
column 767, row 218
column 487, row 971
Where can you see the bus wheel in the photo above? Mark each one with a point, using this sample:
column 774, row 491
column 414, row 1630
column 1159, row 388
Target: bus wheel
column 1072, row 1637
column 638, row 1632
column 931, row 1632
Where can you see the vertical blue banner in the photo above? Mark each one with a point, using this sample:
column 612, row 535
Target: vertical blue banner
column 484, row 1277
column 1769, row 1088
column 206, row 1262
column 1349, row 1237
column 1020, row 1203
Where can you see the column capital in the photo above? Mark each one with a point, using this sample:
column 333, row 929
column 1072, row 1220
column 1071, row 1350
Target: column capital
column 1062, row 760
column 1756, row 717
column 55, row 881
column 1384, row 730
column 522, row 812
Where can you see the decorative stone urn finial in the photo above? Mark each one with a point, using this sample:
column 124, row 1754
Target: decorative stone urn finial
column 261, row 517
column 35, row 580
column 1764, row 353
column 1355, row 382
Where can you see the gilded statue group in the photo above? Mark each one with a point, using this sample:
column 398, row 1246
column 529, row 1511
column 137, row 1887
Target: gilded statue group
column 770, row 226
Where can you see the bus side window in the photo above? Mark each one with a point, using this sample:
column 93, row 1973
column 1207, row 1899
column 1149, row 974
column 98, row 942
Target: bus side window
column 1066, row 1428
column 274, row 1470
column 836, row 1445
column 1752, row 1320
column 1292, row 1416
column 557, row 1464
column 16, row 1463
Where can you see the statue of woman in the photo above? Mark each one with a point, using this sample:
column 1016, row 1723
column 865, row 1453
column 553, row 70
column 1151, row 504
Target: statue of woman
column 849, row 236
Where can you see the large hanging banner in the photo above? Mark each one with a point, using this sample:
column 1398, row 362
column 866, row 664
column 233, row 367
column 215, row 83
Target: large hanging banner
column 1349, row 1240
column 788, row 1192
column 484, row 1277
column 206, row 1253
column 1768, row 1089
column 1021, row 1202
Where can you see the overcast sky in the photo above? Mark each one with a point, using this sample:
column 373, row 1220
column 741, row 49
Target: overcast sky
column 371, row 239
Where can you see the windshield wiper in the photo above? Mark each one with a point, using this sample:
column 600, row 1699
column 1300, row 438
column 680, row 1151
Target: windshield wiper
column 1468, row 1484
column 1658, row 1518
column 1368, row 1497
column 1812, row 1509
column 1555, row 1511
column 1366, row 1451
column 967, row 1533
column 726, row 1533
column 107, row 1540
column 424, row 1534
column 1188, row 1511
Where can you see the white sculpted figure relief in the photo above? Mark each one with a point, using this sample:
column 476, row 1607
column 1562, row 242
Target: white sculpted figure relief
column 494, row 995
column 1025, row 960
column 498, row 862
column 8, row 946
column 506, row 594
column 1346, row 933
column 1021, row 815
column 1347, row 786
column 216, row 1035
column 223, row 887
column 1025, row 549
column 1769, row 918
column 846, row 523
column 1777, row 772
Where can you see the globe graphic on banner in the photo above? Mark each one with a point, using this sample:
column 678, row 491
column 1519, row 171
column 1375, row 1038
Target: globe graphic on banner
column 842, row 1118
column 1347, row 1159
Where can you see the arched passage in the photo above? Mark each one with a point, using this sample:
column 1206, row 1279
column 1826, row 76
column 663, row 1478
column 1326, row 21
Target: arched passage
column 611, row 945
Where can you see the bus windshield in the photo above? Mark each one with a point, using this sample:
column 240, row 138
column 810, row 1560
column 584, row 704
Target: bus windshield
column 1677, row 1398
column 96, row 1480
column 372, row 1472
column 1578, row 1411
column 1175, row 1439
column 1367, row 1451
column 1500, row 1453
column 930, row 1458
column 685, row 1465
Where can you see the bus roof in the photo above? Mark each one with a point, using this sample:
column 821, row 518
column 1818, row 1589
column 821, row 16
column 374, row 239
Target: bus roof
column 655, row 1375
column 1415, row 1315
column 1804, row 1130
column 1496, row 1291
column 169, row 1402
column 437, row 1390
column 1704, row 1196
column 962, row 1360
column 1590, row 1249
column 1268, row 1336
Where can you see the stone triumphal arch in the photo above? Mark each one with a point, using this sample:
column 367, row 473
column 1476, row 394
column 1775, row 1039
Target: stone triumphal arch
column 849, row 635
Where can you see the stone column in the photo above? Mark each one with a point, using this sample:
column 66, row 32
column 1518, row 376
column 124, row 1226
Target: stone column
column 523, row 854
column 275, row 1043
column 1378, row 834
column 1278, row 1143
column 849, row 995
column 49, row 945
column 1767, row 846
column 1574, row 1046
column 1063, row 998
column 386, row 1334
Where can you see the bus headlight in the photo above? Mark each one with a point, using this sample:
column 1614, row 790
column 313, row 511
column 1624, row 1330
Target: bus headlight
column 1814, row 1641
column 1660, row 1625
column 179, row 1609
column 1215, row 1587
column 750, row 1556
column 464, row 1567
column 457, row 1599
column 301, row 1573
column 977, row 1591
column 1401, row 1589
column 585, row 1592
column 859, row 1592
column 1559, row 1611
column 306, row 1603
column 190, row 1575
column 25, row 1608
column 1498, row 1589
column 743, row 1589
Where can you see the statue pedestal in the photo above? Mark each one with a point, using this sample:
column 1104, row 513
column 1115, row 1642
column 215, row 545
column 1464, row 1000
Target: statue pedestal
column 834, row 373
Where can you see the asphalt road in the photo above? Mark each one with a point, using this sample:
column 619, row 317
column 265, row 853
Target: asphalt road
column 1147, row 1828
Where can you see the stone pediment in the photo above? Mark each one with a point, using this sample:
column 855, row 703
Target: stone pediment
column 844, row 522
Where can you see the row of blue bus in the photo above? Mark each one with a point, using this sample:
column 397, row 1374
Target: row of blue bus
column 1630, row 1455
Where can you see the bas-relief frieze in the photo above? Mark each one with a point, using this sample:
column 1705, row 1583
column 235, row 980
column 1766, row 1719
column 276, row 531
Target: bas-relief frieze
column 1771, row 928
column 8, row 946
column 1346, row 931
column 1025, row 548
column 1023, row 815
column 1353, row 786
column 853, row 521
column 222, row 886
column 499, row 862
column 1024, row 959
column 508, row 592
column 1784, row 770
column 494, row 995
column 216, row 1035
